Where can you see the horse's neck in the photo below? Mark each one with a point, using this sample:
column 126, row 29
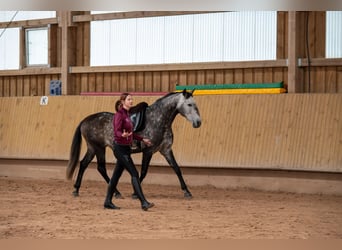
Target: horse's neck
column 162, row 113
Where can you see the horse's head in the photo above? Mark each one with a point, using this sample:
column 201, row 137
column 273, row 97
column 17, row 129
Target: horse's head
column 187, row 107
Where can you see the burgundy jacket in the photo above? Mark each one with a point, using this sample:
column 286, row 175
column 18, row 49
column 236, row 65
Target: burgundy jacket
column 122, row 122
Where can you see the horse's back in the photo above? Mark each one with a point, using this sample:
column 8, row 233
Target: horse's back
column 97, row 129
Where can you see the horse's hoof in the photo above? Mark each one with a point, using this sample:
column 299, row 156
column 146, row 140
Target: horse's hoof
column 118, row 196
column 147, row 205
column 110, row 206
column 75, row 194
column 134, row 196
column 188, row 195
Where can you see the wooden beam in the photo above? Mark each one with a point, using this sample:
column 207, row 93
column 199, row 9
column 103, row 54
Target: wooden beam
column 65, row 17
column 180, row 66
column 29, row 23
column 31, row 71
column 293, row 85
column 134, row 14
column 319, row 62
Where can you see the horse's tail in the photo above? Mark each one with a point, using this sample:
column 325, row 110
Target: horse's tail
column 74, row 152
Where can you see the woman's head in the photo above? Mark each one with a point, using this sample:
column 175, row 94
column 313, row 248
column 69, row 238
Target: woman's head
column 125, row 101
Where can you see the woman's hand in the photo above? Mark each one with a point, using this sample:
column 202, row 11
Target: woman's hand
column 147, row 142
column 125, row 134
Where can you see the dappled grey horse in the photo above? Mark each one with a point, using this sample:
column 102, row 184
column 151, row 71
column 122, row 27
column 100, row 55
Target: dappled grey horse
column 97, row 130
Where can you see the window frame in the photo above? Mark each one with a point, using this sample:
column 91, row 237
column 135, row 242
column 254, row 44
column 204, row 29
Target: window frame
column 27, row 48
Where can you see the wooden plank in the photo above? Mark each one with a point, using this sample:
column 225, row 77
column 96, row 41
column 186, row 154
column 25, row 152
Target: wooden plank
column 320, row 28
column 92, row 82
column 156, row 82
column 238, row 76
column 191, row 77
column 7, row 87
column 133, row 14
column 180, row 66
column 47, row 80
column 31, row 71
column 1, row 86
column 139, row 81
column 84, row 83
column 268, row 75
column 183, row 77
column 148, row 81
column 115, row 82
column 219, row 76
column 330, row 80
column 53, row 49
column 173, row 80
column 107, row 82
column 86, row 44
column 29, row 23
column 322, row 62
column 131, row 82
column 27, row 89
column 123, row 82
column 165, row 82
column 77, row 88
column 209, row 77
column 99, row 82
column 248, row 76
column 281, row 34
column 13, row 86
column 293, row 85
column 33, row 86
column 40, row 85
column 339, row 79
column 229, row 76
column 319, row 79
column 259, row 75
column 201, row 77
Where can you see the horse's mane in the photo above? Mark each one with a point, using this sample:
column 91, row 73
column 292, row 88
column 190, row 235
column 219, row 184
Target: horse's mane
column 167, row 95
column 173, row 93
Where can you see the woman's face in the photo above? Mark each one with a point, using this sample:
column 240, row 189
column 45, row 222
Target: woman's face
column 128, row 102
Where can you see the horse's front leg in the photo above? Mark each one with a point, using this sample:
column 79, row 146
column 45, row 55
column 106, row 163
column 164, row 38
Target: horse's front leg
column 172, row 161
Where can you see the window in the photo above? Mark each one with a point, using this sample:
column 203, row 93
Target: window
column 9, row 39
column 36, row 46
column 228, row 36
column 334, row 34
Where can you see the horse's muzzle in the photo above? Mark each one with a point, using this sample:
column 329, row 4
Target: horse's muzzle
column 196, row 124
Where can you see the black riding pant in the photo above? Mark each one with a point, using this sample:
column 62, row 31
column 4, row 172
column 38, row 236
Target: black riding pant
column 124, row 161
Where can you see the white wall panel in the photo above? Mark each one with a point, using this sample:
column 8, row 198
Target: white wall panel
column 178, row 39
column 208, row 38
column 250, row 36
column 9, row 49
column 230, row 36
column 150, row 40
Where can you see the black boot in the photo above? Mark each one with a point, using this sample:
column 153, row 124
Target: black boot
column 110, row 205
column 145, row 205
column 108, row 201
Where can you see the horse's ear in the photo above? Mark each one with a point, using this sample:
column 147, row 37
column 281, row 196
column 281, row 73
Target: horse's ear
column 192, row 92
column 184, row 91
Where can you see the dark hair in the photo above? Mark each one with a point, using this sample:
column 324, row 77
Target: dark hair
column 118, row 103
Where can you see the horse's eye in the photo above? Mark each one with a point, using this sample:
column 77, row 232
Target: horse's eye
column 190, row 105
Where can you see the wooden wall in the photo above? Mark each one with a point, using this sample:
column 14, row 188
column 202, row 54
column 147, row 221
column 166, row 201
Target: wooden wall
column 69, row 58
column 164, row 78
column 287, row 131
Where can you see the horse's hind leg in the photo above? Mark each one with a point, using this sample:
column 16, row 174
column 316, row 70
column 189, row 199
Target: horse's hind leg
column 83, row 166
column 101, row 167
